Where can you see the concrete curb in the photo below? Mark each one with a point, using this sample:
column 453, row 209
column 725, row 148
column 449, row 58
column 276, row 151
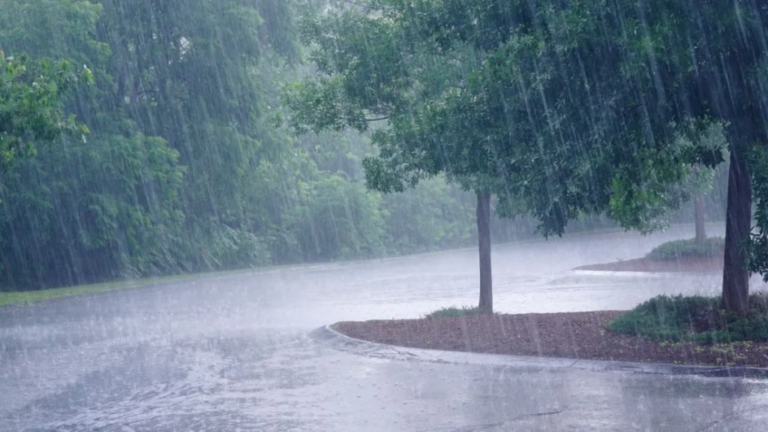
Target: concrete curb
column 627, row 274
column 341, row 342
column 669, row 274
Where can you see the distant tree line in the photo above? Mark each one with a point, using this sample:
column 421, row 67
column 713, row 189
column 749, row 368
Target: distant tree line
column 143, row 137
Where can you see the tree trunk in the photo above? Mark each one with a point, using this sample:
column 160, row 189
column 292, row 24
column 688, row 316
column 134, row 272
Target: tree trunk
column 484, row 241
column 738, row 223
column 698, row 210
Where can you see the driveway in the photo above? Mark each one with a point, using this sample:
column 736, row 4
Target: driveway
column 231, row 353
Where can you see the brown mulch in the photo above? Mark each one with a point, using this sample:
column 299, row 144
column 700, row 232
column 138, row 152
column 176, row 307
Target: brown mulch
column 579, row 335
column 684, row 264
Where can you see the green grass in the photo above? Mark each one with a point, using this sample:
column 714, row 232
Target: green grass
column 694, row 319
column 673, row 250
column 453, row 312
column 29, row 297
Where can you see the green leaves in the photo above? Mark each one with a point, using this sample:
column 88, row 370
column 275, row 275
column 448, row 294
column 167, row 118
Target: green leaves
column 362, row 73
column 758, row 245
column 30, row 104
column 573, row 108
column 320, row 106
column 112, row 201
column 179, row 89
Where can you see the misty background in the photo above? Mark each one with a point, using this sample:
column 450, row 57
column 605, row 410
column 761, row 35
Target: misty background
column 189, row 166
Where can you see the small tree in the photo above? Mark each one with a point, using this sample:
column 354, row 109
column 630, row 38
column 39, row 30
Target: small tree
column 599, row 95
column 374, row 68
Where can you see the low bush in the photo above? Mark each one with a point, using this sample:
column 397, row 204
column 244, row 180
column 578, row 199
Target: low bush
column 694, row 319
column 711, row 247
column 453, row 312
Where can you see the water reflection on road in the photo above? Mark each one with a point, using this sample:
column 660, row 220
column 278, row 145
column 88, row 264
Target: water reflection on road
column 231, row 353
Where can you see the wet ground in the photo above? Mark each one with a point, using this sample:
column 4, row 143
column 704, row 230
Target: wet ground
column 232, row 353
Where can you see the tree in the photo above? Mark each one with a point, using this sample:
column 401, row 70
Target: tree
column 698, row 215
column 30, row 104
column 170, row 90
column 700, row 179
column 184, row 168
column 585, row 101
column 433, row 215
column 199, row 76
column 84, row 210
column 371, row 69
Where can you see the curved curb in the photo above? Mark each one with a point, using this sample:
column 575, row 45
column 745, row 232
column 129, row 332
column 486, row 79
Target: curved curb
column 628, row 274
column 341, row 342
column 640, row 274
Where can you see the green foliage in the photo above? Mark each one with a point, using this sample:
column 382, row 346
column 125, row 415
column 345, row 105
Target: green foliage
column 453, row 312
column 492, row 108
column 166, row 181
column 372, row 67
column 360, row 67
column 758, row 247
column 339, row 220
column 112, row 201
column 438, row 216
column 571, row 108
column 30, row 104
column 619, row 135
column 644, row 198
column 186, row 170
column 198, row 75
column 709, row 248
column 29, row 297
column 607, row 139
column 694, row 319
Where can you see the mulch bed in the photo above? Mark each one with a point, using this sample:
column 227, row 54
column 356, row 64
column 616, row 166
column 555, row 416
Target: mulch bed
column 579, row 335
column 685, row 264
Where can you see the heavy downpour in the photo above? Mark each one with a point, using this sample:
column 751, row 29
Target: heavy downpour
column 383, row 215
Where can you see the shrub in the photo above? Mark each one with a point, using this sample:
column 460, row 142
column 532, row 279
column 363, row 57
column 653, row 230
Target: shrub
column 453, row 312
column 710, row 247
column 694, row 319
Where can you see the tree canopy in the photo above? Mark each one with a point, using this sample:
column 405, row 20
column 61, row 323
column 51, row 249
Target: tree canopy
column 560, row 110
column 600, row 92
column 373, row 73
column 30, row 104
column 571, row 107
column 185, row 166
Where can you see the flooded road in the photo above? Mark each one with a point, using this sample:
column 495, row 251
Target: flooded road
column 231, row 353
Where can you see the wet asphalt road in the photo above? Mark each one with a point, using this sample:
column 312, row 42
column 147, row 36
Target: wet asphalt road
column 232, row 353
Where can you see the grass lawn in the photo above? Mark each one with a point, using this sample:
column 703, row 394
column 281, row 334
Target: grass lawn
column 453, row 312
column 694, row 319
column 673, row 250
column 28, row 297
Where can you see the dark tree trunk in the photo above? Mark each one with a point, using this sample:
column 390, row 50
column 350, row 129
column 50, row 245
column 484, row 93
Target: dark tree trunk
column 738, row 223
column 484, row 241
column 698, row 214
